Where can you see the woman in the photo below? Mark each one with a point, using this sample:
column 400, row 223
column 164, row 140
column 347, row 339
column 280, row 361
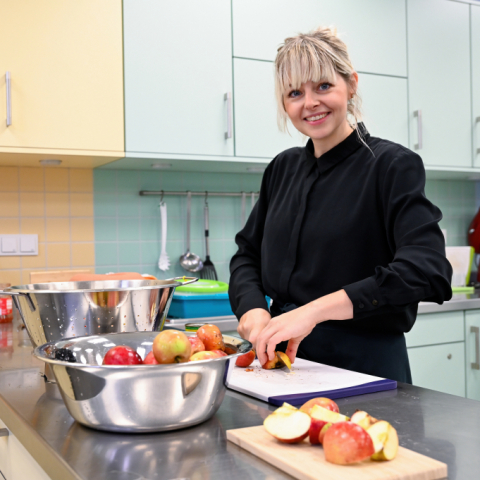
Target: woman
column 342, row 237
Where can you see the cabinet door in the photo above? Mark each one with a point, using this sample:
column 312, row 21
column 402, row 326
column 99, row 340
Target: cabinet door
column 66, row 68
column 439, row 367
column 439, row 81
column 374, row 30
column 472, row 333
column 475, row 33
column 385, row 106
column 178, row 68
column 256, row 129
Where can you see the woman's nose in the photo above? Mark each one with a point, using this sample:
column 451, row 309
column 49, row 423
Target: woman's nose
column 311, row 100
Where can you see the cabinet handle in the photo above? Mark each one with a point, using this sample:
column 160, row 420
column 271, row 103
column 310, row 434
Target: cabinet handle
column 4, row 432
column 418, row 115
column 477, row 120
column 228, row 98
column 449, row 356
column 476, row 331
column 9, row 98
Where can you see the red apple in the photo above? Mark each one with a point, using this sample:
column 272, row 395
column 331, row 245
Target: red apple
column 323, row 402
column 219, row 353
column 245, row 360
column 203, row 356
column 171, row 346
column 389, row 447
column 122, row 355
column 211, row 336
column 288, row 424
column 347, row 442
column 150, row 359
column 320, row 417
column 197, row 345
column 323, row 431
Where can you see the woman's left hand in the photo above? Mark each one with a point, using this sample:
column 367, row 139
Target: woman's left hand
column 293, row 326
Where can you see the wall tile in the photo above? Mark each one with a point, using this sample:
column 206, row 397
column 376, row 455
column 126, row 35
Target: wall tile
column 105, row 181
column 9, row 263
column 11, row 276
column 128, row 205
column 9, row 181
column 56, row 180
column 36, row 261
column 58, row 255
column 151, row 180
column 57, row 205
column 105, row 229
column 9, row 206
column 106, row 253
column 128, row 181
column 9, row 226
column 81, row 204
column 129, row 229
column 129, row 253
column 150, row 229
column 32, row 204
column 58, row 229
column 81, row 180
column 31, row 179
column 83, row 254
column 149, row 253
column 82, row 230
column 34, row 226
column 105, row 205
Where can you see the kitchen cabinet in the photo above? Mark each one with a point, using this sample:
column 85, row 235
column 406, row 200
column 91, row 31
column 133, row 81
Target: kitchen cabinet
column 439, row 82
column 66, row 79
column 472, row 354
column 374, row 30
column 178, row 78
column 475, row 59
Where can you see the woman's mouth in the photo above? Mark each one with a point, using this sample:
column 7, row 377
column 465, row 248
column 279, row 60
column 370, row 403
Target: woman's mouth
column 316, row 119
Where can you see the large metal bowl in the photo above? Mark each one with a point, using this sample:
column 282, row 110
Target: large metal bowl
column 137, row 398
column 52, row 311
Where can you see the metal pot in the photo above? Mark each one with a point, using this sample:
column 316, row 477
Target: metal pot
column 52, row 311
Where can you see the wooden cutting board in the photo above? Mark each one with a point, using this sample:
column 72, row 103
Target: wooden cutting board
column 307, row 462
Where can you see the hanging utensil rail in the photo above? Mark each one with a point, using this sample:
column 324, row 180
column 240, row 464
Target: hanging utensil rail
column 146, row 193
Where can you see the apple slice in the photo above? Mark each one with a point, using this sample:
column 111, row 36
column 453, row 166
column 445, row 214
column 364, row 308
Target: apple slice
column 284, row 358
column 323, row 402
column 390, row 447
column 347, row 442
column 288, row 424
column 363, row 419
column 379, row 433
column 320, row 417
column 323, row 431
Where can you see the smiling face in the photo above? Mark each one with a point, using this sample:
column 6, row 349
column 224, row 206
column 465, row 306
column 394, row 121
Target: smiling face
column 319, row 110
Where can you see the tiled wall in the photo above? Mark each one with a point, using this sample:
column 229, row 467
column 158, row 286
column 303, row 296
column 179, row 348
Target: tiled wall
column 56, row 204
column 127, row 226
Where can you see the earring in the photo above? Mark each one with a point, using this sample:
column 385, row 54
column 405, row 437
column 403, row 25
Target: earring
column 350, row 101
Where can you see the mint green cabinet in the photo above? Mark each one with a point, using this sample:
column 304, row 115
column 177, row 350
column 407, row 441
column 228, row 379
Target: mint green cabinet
column 475, row 58
column 472, row 353
column 374, row 30
column 178, row 70
column 439, row 81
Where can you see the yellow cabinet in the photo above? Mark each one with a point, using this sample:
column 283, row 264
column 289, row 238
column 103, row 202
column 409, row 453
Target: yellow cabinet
column 65, row 62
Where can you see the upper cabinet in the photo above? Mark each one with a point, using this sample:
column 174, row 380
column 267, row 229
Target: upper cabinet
column 439, row 82
column 475, row 44
column 374, row 30
column 61, row 78
column 178, row 77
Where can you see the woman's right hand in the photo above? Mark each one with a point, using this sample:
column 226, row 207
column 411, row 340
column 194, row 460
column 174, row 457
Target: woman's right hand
column 252, row 323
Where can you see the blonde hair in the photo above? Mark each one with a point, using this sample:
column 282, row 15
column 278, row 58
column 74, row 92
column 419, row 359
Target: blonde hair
column 315, row 56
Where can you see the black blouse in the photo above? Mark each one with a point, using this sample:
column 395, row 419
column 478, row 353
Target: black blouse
column 355, row 219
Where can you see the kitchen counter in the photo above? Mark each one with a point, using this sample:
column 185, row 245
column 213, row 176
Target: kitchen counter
column 459, row 301
column 442, row 426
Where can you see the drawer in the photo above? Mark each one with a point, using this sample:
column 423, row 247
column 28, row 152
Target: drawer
column 439, row 367
column 434, row 328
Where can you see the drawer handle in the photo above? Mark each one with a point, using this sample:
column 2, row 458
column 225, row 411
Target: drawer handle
column 228, row 99
column 476, row 331
column 4, row 432
column 418, row 115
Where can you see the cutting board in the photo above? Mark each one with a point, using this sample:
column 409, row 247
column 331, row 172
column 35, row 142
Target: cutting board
column 306, row 380
column 307, row 462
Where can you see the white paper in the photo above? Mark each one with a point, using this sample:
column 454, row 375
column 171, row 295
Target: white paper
column 305, row 377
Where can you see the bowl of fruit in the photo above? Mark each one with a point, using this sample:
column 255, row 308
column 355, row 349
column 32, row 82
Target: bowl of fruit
column 143, row 381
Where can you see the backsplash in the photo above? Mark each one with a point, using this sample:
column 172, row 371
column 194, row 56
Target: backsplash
column 127, row 226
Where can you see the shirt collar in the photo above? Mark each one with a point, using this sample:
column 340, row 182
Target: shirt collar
column 339, row 152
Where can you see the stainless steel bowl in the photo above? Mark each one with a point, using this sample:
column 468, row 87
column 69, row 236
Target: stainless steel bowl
column 52, row 311
column 137, row 398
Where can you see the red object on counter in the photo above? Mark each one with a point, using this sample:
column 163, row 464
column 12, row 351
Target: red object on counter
column 6, row 310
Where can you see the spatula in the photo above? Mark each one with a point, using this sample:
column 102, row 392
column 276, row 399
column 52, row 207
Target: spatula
column 208, row 271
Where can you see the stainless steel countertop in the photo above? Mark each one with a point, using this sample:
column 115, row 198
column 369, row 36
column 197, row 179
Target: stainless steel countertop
column 442, row 426
column 458, row 302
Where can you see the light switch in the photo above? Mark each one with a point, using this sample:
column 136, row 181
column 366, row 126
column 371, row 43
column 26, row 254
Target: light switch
column 14, row 245
column 9, row 244
column 28, row 243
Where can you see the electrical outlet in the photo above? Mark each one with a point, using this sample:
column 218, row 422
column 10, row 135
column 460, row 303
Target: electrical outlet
column 16, row 245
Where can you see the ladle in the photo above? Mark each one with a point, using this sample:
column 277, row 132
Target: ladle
column 190, row 261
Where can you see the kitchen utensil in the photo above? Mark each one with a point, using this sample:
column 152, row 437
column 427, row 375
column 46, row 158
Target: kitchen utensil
column 52, row 311
column 243, row 217
column 208, row 271
column 163, row 261
column 461, row 260
column 137, row 398
column 305, row 462
column 190, row 261
column 307, row 380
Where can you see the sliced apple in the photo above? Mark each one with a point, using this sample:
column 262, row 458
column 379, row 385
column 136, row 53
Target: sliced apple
column 363, row 419
column 284, row 358
column 322, row 401
column 321, row 416
column 379, row 433
column 347, row 442
column 323, row 431
column 390, row 447
column 288, row 425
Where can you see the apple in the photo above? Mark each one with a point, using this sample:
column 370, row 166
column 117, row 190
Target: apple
column 323, row 431
column 278, row 361
column 211, row 336
column 284, row 358
column 245, row 360
column 320, row 417
column 323, row 402
column 203, row 356
column 219, row 353
column 150, row 359
column 197, row 344
column 363, row 419
column 171, row 346
column 122, row 355
column 347, row 442
column 390, row 446
column 288, row 424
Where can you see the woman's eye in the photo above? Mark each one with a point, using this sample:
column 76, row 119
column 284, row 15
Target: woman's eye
column 294, row 93
column 324, row 86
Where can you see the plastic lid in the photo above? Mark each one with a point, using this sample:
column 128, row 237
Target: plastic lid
column 204, row 286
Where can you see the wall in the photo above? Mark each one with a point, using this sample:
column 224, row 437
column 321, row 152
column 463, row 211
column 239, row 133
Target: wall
column 56, row 204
